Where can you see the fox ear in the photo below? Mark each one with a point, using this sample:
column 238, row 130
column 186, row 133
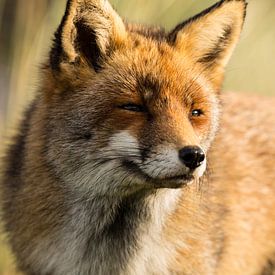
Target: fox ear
column 210, row 37
column 89, row 31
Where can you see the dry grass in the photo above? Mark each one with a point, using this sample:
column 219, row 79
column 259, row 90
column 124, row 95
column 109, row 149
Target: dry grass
column 7, row 266
column 26, row 42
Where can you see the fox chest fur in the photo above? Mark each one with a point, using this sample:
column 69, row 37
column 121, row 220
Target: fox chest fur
column 119, row 166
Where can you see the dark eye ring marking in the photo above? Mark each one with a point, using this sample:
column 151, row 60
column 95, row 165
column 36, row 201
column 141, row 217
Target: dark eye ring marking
column 196, row 113
column 133, row 108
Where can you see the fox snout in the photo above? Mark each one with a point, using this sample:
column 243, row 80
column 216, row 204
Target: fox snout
column 169, row 164
column 192, row 156
column 164, row 165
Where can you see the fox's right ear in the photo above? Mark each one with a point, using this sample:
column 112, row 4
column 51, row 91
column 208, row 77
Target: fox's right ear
column 90, row 30
column 210, row 37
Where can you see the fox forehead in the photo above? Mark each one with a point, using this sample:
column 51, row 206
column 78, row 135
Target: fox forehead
column 153, row 69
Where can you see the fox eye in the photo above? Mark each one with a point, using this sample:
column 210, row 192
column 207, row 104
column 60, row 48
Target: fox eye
column 196, row 113
column 133, row 107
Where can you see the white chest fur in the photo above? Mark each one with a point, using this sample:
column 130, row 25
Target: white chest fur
column 154, row 252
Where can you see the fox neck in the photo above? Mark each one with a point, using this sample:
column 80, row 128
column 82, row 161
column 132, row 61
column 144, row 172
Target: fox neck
column 153, row 252
column 128, row 232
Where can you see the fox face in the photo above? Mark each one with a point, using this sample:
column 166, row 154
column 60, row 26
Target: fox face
column 130, row 107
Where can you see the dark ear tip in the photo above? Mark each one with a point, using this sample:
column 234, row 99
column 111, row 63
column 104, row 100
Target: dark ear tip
column 171, row 37
column 56, row 53
column 224, row 1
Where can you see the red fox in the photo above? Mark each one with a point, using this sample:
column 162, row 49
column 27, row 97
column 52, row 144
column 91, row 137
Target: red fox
column 120, row 165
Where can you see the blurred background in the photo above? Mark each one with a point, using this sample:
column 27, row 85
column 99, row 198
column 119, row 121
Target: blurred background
column 27, row 27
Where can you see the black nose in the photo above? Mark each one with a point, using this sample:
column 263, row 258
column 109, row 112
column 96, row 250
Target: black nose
column 191, row 156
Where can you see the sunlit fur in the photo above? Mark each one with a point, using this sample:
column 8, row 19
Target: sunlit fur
column 93, row 183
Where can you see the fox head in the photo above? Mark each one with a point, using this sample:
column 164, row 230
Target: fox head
column 130, row 107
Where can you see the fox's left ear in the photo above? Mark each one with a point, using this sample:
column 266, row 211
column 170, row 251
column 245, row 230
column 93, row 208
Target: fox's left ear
column 89, row 32
column 210, row 37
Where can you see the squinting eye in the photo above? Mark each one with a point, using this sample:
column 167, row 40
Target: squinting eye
column 133, row 107
column 197, row 113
